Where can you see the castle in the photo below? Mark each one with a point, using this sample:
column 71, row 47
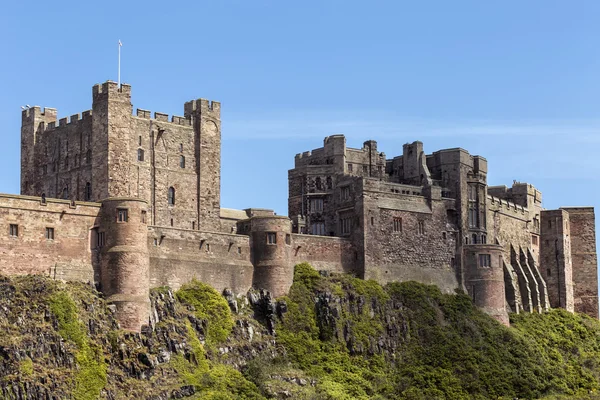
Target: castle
column 131, row 202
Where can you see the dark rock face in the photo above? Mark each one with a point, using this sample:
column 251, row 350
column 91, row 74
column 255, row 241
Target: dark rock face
column 30, row 336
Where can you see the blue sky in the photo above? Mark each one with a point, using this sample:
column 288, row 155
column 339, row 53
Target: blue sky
column 514, row 81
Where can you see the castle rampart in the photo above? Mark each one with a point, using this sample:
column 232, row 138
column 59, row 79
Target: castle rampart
column 157, row 219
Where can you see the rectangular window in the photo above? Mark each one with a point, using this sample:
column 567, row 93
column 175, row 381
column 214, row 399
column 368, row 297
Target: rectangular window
column 239, row 250
column 345, row 192
column 13, row 230
column 50, row 233
column 317, row 229
column 121, row 215
column 100, row 242
column 397, row 224
column 485, row 260
column 349, row 167
column 346, row 225
column 271, row 238
column 143, row 217
column 139, row 140
column 316, row 205
column 534, row 240
column 421, row 227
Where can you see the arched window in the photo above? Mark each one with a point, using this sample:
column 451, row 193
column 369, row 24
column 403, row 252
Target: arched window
column 88, row 191
column 181, row 162
column 171, row 196
column 140, row 155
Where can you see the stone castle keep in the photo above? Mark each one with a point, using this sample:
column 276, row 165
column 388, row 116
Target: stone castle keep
column 131, row 202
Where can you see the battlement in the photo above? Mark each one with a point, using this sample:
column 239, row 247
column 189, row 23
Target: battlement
column 203, row 106
column 111, row 87
column 162, row 117
column 507, row 205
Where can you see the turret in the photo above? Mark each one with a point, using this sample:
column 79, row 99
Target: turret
column 270, row 238
column 34, row 121
column 111, row 157
column 206, row 120
column 484, row 279
column 124, row 265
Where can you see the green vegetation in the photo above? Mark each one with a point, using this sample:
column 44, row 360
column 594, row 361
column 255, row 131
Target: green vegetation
column 209, row 306
column 435, row 346
column 339, row 338
column 90, row 376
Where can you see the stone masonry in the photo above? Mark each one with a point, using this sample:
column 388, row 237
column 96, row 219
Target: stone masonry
column 132, row 201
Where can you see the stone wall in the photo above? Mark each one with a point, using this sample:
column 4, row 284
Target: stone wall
column 325, row 253
column 585, row 259
column 408, row 238
column 68, row 255
column 180, row 255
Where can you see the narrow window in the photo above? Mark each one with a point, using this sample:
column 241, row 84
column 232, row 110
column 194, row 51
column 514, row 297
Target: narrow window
column 140, row 155
column 207, row 246
column 155, row 241
column 181, row 162
column 485, row 260
column 483, row 239
column 50, row 233
column 349, row 167
column 288, row 239
column 534, row 240
column 474, row 238
column 365, row 169
column 193, row 225
column 421, row 227
column 88, row 157
column 88, row 191
column 171, row 221
column 372, row 221
column 139, row 140
column 397, row 224
column 143, row 216
column 181, row 147
column 345, row 193
column 549, row 272
column 239, row 250
column 271, row 238
column 444, row 235
column 121, row 215
column 65, row 193
column 13, row 230
column 100, row 237
column 67, row 162
column 171, row 196
column 43, row 198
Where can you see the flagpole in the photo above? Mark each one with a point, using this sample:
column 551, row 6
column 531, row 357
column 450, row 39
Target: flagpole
column 119, row 74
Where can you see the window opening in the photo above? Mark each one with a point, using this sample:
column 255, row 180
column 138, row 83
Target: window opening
column 50, row 233
column 13, row 230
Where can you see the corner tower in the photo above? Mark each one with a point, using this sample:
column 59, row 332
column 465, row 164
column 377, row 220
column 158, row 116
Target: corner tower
column 206, row 119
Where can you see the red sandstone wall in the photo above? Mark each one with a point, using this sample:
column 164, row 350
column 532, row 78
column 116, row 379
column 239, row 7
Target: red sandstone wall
column 66, row 257
column 324, row 253
column 179, row 255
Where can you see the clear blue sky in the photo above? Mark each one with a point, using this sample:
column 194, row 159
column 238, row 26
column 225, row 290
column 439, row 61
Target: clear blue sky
column 514, row 81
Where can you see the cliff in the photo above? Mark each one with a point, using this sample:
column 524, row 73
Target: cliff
column 332, row 337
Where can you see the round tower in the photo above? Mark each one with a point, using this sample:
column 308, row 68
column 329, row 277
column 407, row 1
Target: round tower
column 271, row 241
column 484, row 279
column 124, row 262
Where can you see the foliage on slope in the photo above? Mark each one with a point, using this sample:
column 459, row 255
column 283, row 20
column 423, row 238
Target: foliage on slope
column 336, row 337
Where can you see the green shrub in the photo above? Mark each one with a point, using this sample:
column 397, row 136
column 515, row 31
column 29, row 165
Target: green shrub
column 209, row 306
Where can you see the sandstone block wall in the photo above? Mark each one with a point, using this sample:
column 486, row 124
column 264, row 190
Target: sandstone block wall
column 180, row 255
column 585, row 259
column 68, row 255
